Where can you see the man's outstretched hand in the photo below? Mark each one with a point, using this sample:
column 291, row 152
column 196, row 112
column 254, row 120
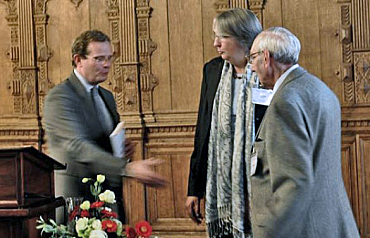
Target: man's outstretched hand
column 142, row 171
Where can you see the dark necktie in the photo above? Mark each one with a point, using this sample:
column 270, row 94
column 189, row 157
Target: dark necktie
column 102, row 111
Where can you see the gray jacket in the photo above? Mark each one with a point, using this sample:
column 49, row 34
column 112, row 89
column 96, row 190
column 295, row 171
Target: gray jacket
column 297, row 189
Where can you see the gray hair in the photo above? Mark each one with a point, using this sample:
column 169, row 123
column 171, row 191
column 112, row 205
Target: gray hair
column 239, row 23
column 283, row 45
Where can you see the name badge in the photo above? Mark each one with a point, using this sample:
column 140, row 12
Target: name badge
column 261, row 96
column 253, row 163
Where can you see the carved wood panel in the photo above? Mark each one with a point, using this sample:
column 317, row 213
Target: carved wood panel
column 363, row 167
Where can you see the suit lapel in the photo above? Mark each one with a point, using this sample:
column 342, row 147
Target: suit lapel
column 87, row 103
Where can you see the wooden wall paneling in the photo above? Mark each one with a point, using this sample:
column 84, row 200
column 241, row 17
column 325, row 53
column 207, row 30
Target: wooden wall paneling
column 133, row 191
column 6, row 98
column 98, row 16
column 361, row 61
column 272, row 14
column 361, row 24
column 350, row 173
column 361, row 47
column 166, row 207
column 160, row 63
column 346, row 70
column 363, row 167
column 329, row 23
column 302, row 18
column 186, row 53
column 123, row 25
column 209, row 52
column 66, row 22
column 146, row 47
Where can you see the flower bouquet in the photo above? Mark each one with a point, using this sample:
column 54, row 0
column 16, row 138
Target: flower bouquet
column 95, row 219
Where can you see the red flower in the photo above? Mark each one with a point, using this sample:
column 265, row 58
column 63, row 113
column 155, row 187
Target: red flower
column 85, row 213
column 143, row 229
column 96, row 204
column 109, row 225
column 108, row 214
column 130, row 232
column 74, row 213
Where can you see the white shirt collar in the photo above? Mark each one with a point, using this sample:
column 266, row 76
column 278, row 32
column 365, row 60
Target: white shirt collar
column 282, row 78
column 83, row 81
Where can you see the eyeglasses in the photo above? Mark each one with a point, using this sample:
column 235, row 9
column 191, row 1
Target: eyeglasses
column 102, row 59
column 251, row 57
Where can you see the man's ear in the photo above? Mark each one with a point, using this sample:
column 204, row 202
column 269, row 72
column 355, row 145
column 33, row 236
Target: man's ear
column 267, row 58
column 77, row 59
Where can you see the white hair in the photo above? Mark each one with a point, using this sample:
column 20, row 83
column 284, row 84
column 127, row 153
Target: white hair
column 283, row 45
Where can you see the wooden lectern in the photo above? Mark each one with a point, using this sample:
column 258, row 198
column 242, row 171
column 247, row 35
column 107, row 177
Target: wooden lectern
column 26, row 191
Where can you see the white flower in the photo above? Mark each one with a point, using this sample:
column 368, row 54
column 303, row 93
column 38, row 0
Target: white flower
column 85, row 205
column 100, row 178
column 108, row 196
column 98, row 234
column 108, row 209
column 81, row 224
column 96, row 225
column 85, row 180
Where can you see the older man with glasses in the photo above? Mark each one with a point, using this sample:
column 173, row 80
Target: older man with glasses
column 297, row 189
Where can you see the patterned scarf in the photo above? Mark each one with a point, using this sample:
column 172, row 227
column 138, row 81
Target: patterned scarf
column 228, row 191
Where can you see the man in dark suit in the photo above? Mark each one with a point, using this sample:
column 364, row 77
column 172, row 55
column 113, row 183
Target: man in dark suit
column 78, row 123
column 295, row 169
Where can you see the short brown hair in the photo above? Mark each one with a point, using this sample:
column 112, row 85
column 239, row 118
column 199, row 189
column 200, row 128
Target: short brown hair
column 81, row 43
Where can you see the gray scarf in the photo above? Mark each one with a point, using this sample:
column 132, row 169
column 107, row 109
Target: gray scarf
column 227, row 191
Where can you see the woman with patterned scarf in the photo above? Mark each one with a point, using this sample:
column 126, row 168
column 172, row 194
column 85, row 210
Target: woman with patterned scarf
column 227, row 121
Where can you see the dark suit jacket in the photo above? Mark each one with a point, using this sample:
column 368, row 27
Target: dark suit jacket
column 297, row 190
column 74, row 134
column 198, row 163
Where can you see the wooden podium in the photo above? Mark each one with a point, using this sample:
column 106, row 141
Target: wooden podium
column 26, row 191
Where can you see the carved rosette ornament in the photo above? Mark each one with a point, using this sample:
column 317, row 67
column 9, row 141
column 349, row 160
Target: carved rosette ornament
column 254, row 5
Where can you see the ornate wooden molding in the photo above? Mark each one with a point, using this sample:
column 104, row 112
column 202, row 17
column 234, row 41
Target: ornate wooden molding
column 362, row 76
column 354, row 37
column 346, row 67
column 256, row 6
column 221, row 5
column 76, row 2
column 347, row 124
column 43, row 51
column 360, row 23
column 122, row 18
column 146, row 47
